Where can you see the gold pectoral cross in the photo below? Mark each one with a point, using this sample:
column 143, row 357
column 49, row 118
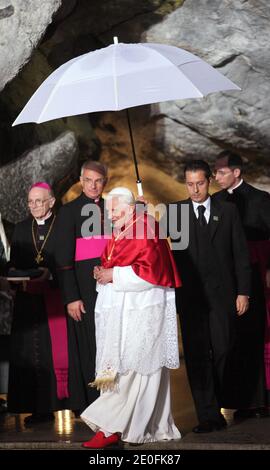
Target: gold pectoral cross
column 39, row 258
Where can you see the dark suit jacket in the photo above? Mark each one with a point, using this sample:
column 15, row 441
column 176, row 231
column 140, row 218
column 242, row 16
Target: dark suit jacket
column 232, row 267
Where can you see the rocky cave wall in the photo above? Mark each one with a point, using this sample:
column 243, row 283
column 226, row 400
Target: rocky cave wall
column 37, row 36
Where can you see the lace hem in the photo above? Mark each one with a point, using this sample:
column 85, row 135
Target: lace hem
column 140, row 340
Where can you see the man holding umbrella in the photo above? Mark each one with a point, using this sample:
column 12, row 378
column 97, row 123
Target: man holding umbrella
column 215, row 272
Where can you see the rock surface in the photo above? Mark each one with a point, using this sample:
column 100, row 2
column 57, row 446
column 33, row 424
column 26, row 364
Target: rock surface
column 49, row 162
column 233, row 36
column 22, row 24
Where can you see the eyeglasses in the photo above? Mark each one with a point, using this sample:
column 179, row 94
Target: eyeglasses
column 37, row 202
column 91, row 182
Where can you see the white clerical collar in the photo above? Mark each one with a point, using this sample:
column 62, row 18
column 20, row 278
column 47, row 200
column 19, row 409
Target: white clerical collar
column 231, row 190
column 42, row 221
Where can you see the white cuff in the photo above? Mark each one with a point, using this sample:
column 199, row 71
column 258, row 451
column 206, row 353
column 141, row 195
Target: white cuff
column 125, row 279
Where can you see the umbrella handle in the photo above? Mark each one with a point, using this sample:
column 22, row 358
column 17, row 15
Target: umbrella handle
column 139, row 181
column 139, row 188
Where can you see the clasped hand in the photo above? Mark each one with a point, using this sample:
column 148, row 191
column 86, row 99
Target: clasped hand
column 103, row 275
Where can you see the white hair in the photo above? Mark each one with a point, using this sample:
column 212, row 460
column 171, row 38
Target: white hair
column 124, row 194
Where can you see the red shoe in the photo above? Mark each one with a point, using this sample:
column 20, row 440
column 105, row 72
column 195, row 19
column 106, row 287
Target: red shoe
column 99, row 441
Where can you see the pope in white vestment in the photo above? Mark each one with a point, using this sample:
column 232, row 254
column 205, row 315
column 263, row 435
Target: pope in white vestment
column 136, row 332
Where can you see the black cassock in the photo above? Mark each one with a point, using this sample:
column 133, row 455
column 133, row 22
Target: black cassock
column 245, row 374
column 76, row 256
column 32, row 381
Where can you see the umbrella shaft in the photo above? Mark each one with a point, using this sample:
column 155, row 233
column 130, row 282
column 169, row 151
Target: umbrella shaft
column 133, row 148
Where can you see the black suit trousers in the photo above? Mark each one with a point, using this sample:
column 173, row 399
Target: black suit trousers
column 207, row 332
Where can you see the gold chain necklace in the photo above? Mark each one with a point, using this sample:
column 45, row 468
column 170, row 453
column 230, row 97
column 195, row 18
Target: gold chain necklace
column 39, row 258
column 117, row 238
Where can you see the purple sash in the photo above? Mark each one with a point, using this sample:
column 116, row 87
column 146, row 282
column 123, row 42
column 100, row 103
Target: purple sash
column 90, row 247
column 58, row 332
column 260, row 253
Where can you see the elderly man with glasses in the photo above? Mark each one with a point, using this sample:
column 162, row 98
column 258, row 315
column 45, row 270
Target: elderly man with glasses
column 38, row 379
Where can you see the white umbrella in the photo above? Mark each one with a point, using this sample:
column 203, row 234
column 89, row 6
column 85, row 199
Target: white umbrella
column 121, row 76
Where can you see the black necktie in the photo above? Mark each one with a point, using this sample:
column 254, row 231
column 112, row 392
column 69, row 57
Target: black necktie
column 201, row 219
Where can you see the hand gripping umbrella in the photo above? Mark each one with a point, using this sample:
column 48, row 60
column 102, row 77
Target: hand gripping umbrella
column 121, row 76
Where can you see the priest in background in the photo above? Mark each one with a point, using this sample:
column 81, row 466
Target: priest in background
column 77, row 252
column 249, row 373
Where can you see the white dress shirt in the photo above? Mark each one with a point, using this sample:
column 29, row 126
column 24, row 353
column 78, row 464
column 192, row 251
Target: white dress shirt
column 206, row 204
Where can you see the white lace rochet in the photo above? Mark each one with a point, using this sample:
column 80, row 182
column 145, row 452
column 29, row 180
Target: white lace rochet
column 136, row 327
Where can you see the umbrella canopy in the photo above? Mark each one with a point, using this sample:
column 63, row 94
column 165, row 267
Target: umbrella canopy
column 122, row 76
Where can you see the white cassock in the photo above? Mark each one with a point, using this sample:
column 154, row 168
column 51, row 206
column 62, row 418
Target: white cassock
column 136, row 333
